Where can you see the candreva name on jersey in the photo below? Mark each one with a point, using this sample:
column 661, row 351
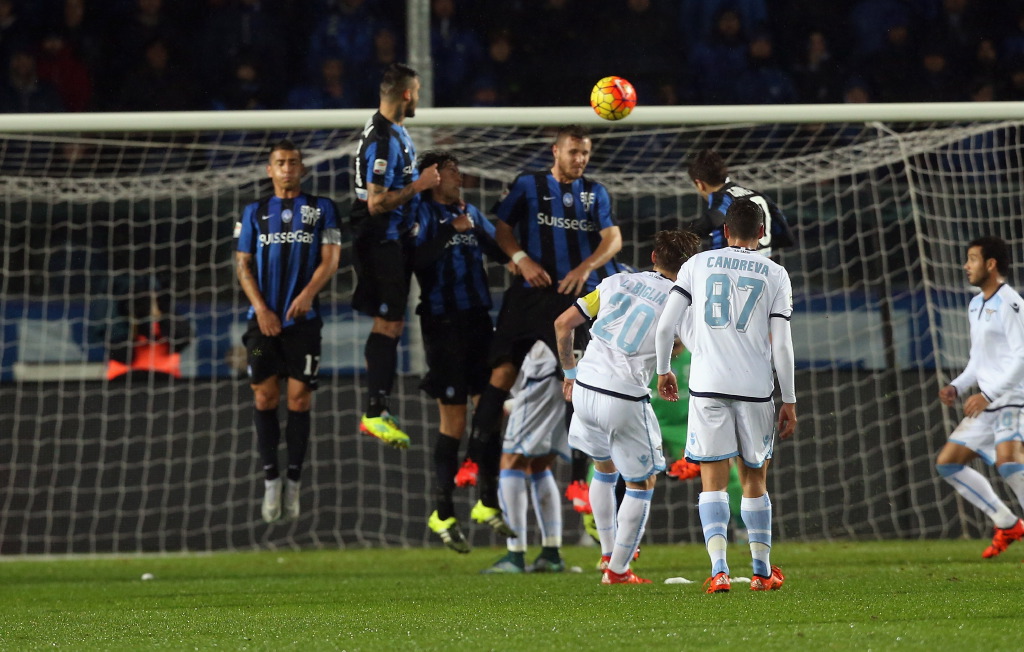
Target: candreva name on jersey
column 568, row 224
column 738, row 264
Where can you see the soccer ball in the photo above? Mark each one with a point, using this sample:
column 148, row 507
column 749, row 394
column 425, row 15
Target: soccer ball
column 613, row 98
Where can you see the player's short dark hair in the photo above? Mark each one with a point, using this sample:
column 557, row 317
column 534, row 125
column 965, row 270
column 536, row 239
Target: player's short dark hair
column 284, row 145
column 709, row 167
column 672, row 248
column 744, row 219
column 576, row 131
column 396, row 80
column 994, row 248
column 438, row 156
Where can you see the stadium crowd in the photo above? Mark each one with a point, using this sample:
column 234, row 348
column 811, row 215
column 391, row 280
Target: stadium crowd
column 143, row 55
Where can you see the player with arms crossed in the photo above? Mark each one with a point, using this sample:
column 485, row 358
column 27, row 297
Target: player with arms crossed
column 288, row 249
column 383, row 218
column 455, row 319
column 711, row 177
column 992, row 422
column 740, row 304
column 613, row 421
column 557, row 227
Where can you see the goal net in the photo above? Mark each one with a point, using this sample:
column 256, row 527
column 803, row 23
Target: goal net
column 103, row 214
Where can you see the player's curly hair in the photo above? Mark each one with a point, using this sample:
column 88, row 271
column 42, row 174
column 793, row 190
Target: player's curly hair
column 672, row 248
column 438, row 156
column 709, row 167
column 996, row 249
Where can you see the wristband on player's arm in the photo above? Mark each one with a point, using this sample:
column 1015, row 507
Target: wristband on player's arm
column 518, row 256
column 570, row 374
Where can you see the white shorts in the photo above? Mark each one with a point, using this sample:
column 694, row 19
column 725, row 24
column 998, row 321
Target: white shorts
column 623, row 431
column 536, row 425
column 721, row 428
column 984, row 432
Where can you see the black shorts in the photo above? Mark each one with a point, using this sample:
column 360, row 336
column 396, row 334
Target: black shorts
column 528, row 315
column 295, row 353
column 456, row 346
column 383, row 273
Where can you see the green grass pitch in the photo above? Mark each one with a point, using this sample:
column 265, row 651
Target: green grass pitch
column 905, row 595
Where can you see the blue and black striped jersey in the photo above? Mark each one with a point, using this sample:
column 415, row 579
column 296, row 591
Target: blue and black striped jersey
column 386, row 157
column 449, row 264
column 559, row 224
column 708, row 226
column 284, row 236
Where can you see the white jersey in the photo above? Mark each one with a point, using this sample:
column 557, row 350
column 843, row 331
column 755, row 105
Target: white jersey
column 625, row 309
column 536, row 422
column 996, row 364
column 733, row 293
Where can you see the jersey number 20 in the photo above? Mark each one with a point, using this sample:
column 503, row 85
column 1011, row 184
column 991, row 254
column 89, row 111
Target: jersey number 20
column 632, row 330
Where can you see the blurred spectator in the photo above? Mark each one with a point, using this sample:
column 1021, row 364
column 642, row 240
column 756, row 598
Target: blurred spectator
column 985, row 63
column 958, row 26
column 1013, row 90
column 557, row 35
column 14, row 34
column 24, row 91
column 698, row 19
column 129, row 42
column 871, row 21
column 793, row 20
column 817, row 75
column 891, row 69
column 345, row 32
column 856, row 91
column 936, row 80
column 366, row 86
column 157, row 84
column 644, row 52
column 720, row 61
column 235, row 30
column 982, row 90
column 245, row 91
column 59, row 65
column 1012, row 43
column 764, row 82
column 80, row 31
column 331, row 91
column 457, row 54
column 505, row 74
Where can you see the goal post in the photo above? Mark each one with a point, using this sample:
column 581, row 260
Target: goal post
column 97, row 210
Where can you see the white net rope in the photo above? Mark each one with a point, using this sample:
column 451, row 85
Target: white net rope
column 882, row 213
